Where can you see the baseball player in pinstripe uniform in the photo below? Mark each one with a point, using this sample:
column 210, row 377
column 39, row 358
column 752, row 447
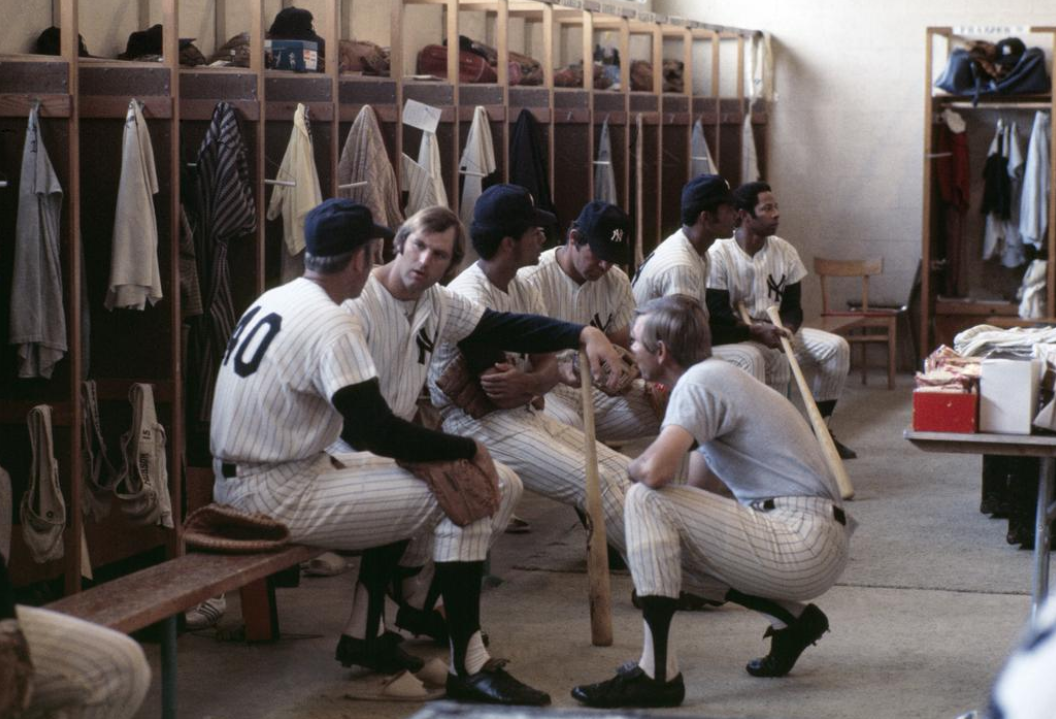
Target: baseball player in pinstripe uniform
column 405, row 315
column 679, row 265
column 546, row 454
column 73, row 669
column 297, row 375
column 760, row 269
column 581, row 282
column 783, row 537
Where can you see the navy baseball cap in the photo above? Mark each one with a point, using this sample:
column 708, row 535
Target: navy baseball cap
column 339, row 225
column 607, row 229
column 704, row 192
column 510, row 209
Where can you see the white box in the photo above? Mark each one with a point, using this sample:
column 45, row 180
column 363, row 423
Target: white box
column 1008, row 395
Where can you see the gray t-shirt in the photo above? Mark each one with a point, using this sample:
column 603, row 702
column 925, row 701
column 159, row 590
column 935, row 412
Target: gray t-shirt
column 752, row 437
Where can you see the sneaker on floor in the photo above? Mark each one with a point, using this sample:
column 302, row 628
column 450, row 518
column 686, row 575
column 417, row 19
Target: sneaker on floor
column 844, row 451
column 631, row 687
column 206, row 614
column 494, row 685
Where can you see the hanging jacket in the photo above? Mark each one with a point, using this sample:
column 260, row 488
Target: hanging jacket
column 528, row 166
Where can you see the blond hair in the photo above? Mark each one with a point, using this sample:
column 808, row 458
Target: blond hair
column 680, row 323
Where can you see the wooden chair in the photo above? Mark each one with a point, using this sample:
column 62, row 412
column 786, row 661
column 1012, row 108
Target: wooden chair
column 876, row 325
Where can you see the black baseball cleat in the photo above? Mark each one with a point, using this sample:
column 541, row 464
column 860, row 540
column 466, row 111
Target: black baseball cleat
column 384, row 657
column 787, row 644
column 494, row 685
column 631, row 687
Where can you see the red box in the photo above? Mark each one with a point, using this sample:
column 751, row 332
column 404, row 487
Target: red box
column 945, row 412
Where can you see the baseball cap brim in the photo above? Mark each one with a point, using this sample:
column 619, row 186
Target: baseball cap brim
column 380, row 231
column 543, row 218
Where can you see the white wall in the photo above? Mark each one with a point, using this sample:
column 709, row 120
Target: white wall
column 846, row 134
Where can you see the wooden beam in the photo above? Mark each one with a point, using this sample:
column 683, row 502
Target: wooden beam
column 396, row 73
column 548, row 79
column 452, row 77
column 256, row 64
column 588, row 85
column 333, row 69
column 502, row 32
column 219, row 23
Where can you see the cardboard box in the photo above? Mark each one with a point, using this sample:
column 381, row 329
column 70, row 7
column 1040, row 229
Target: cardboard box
column 296, row 55
column 945, row 411
column 1008, row 395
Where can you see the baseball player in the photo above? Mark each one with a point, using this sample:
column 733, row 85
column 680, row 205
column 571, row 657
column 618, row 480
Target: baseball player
column 297, row 375
column 782, row 539
column 679, row 265
column 52, row 664
column 546, row 454
column 405, row 315
column 759, row 269
column 581, row 282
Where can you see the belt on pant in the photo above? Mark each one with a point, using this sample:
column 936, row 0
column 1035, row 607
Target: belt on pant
column 837, row 512
column 228, row 470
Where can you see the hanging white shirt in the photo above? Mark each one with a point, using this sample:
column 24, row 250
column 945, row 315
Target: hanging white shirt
column 429, row 159
column 701, row 162
column 604, row 175
column 38, row 322
column 298, row 166
column 421, row 190
column 749, row 155
column 135, row 277
column 1034, row 202
column 478, row 161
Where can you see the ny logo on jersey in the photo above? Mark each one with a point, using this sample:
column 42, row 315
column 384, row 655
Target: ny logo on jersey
column 425, row 345
column 617, row 235
column 775, row 290
column 595, row 321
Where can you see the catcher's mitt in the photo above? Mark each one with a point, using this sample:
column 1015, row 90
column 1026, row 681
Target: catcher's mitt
column 569, row 368
column 466, row 490
column 16, row 670
column 464, row 390
column 222, row 528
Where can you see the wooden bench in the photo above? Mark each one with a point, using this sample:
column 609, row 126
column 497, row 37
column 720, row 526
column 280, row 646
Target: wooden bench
column 159, row 594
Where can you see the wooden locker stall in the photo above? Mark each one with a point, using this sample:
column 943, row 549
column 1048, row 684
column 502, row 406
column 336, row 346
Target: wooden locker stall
column 610, row 105
column 647, row 105
column 677, row 123
column 573, row 128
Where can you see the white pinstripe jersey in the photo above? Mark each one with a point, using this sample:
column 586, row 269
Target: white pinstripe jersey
column 474, row 285
column 403, row 335
column 290, row 352
column 758, row 281
column 606, row 303
column 759, row 446
column 673, row 268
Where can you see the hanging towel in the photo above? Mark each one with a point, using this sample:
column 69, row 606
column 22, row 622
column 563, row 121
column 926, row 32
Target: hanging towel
column 749, row 156
column 429, row 159
column 43, row 510
column 293, row 203
column 226, row 212
column 528, row 164
column 701, row 162
column 38, row 322
column 1034, row 202
column 1032, row 293
column 135, row 278
column 604, row 174
column 478, row 161
column 364, row 159
column 421, row 190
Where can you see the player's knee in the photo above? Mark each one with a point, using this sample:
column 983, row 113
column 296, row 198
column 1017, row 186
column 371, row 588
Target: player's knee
column 510, row 485
column 129, row 680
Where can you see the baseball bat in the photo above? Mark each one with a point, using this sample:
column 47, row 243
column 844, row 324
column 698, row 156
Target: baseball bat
column 821, row 429
column 597, row 546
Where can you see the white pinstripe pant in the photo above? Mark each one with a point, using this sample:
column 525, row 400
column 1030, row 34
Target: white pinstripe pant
column 758, row 361
column 82, row 669
column 795, row 551
column 823, row 357
column 616, row 419
column 548, row 457
column 369, row 503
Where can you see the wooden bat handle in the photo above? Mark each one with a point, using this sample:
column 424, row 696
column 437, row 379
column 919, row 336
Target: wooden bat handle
column 821, row 430
column 597, row 545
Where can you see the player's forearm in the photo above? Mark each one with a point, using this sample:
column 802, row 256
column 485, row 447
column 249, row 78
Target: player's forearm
column 369, row 425
column 515, row 332
column 545, row 373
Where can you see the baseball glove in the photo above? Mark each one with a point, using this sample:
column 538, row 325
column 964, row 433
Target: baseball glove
column 221, row 528
column 569, row 366
column 467, row 490
column 464, row 390
column 16, row 670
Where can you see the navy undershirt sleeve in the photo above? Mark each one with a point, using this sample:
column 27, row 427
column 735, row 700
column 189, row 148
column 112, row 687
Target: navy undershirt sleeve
column 371, row 426
column 500, row 332
column 791, row 307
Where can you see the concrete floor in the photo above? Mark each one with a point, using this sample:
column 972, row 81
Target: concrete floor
column 931, row 603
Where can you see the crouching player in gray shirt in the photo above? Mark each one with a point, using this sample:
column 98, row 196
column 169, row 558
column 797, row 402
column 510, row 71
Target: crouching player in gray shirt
column 780, row 541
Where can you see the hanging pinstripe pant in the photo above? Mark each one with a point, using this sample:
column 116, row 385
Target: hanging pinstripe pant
column 369, row 502
column 795, row 551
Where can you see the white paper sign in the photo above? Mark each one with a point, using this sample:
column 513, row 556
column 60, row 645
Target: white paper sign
column 419, row 115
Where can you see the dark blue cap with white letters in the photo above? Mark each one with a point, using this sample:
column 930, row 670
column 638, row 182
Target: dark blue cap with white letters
column 339, row 225
column 607, row 229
